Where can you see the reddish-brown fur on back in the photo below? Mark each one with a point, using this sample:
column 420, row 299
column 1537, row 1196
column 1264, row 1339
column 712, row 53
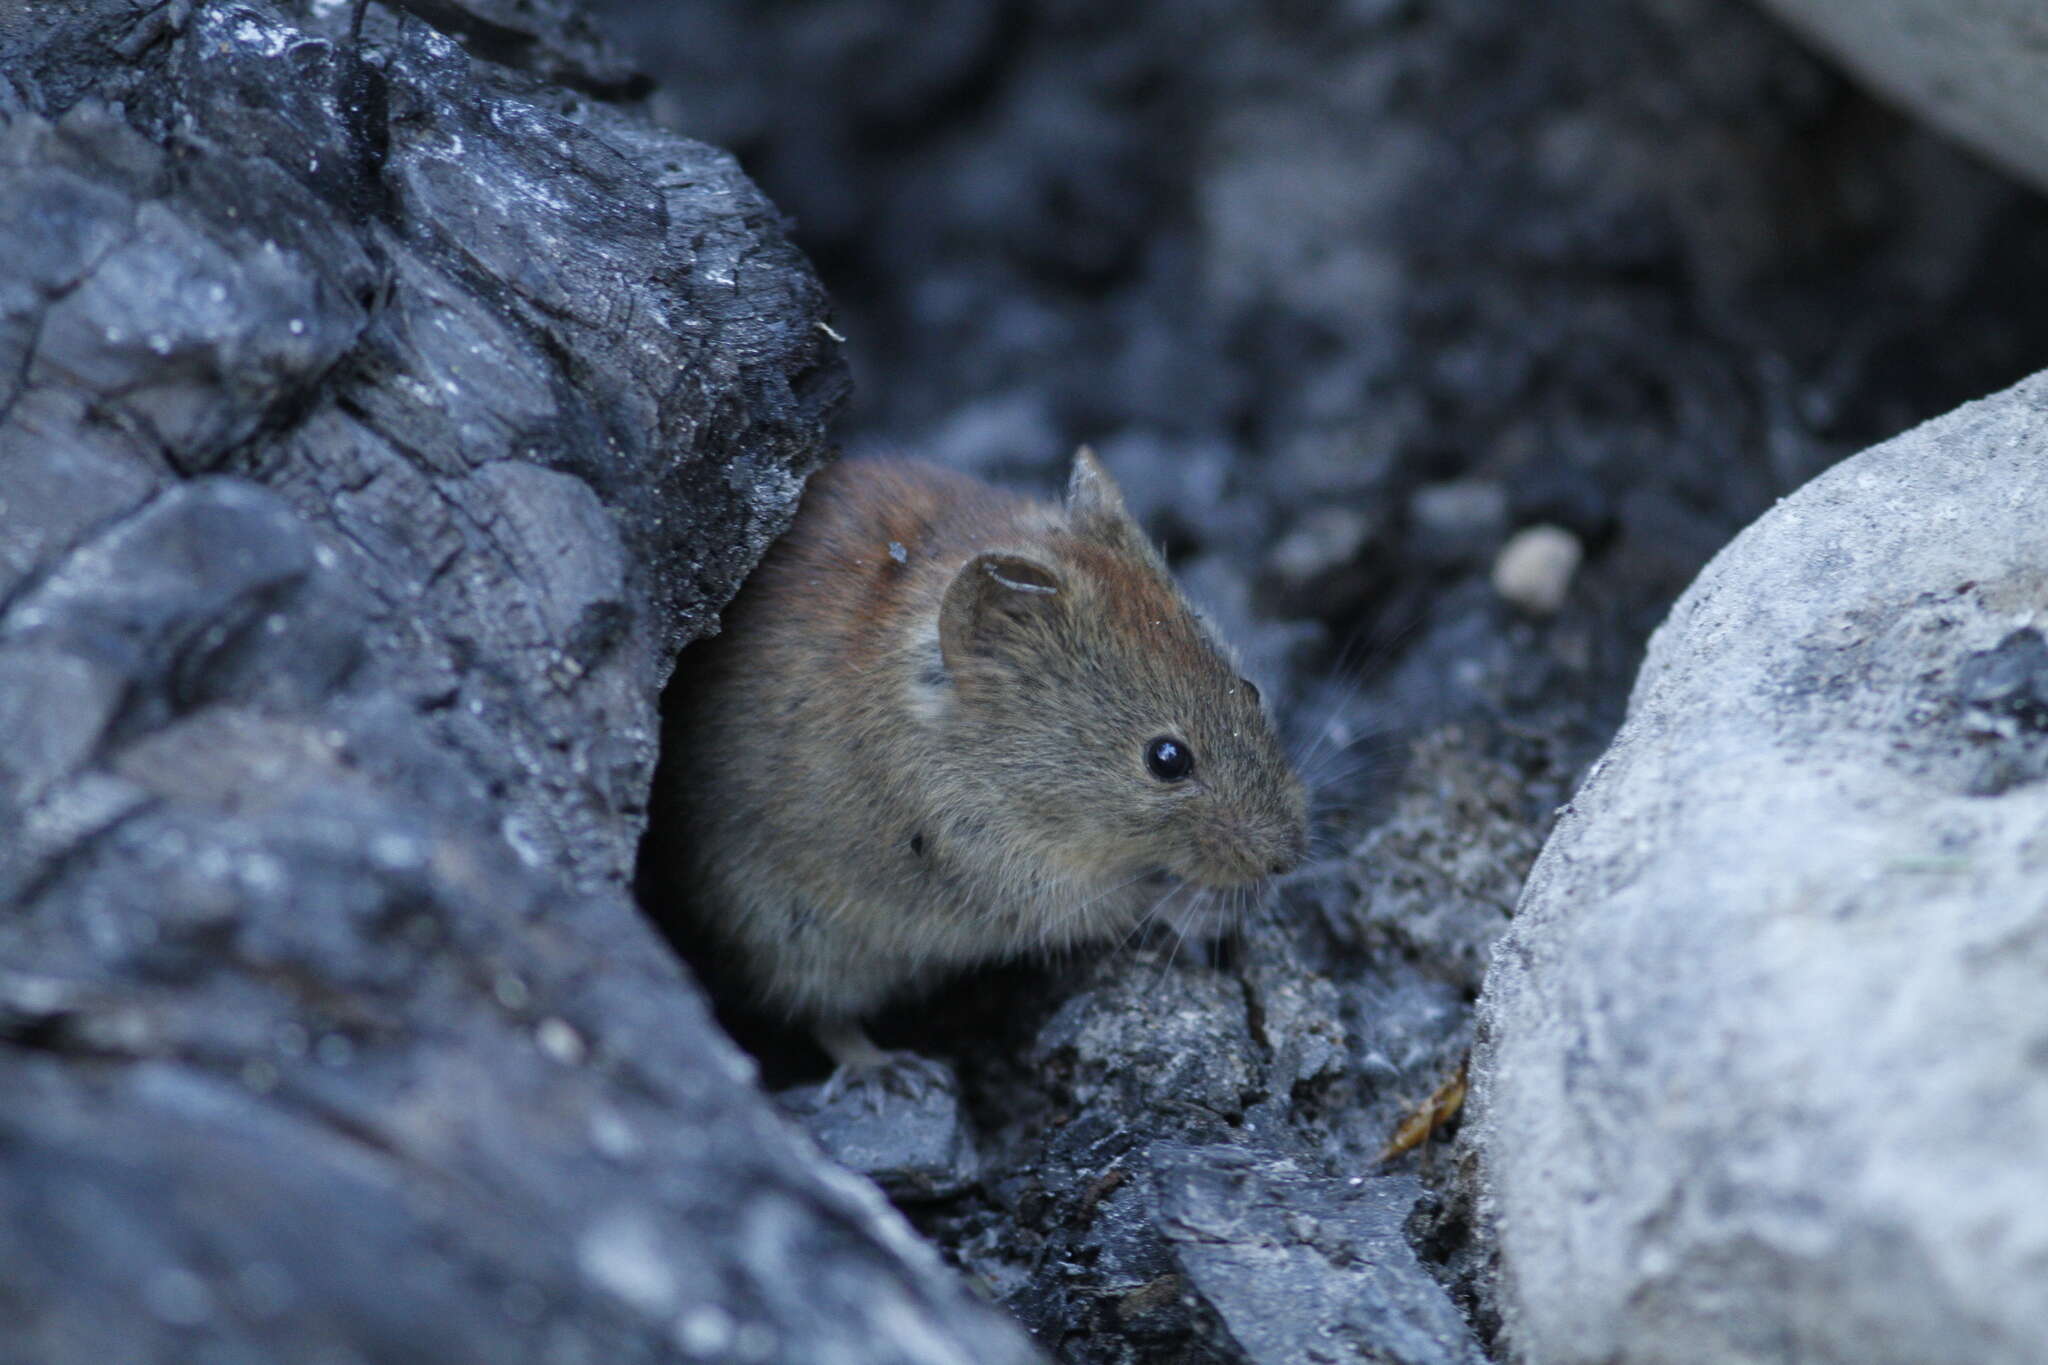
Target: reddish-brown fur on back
column 833, row 576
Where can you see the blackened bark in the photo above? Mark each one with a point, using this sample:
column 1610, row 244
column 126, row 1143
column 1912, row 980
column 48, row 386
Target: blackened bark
column 374, row 426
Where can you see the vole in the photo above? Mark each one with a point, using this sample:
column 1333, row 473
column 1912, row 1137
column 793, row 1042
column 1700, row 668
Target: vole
column 945, row 724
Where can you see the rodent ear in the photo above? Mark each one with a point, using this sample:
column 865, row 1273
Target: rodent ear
column 1093, row 499
column 991, row 594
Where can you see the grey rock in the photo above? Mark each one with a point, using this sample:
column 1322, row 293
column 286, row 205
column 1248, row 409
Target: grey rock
column 1208, row 1189
column 1303, row 1269
column 1438, row 878
column 2006, row 687
column 1762, row 1073
column 374, row 427
column 913, row 1140
column 1975, row 71
column 1325, row 557
column 1323, row 541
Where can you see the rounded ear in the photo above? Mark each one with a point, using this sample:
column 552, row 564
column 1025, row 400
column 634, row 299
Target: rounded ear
column 1095, row 504
column 991, row 596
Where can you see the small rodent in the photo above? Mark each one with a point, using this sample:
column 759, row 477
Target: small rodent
column 946, row 724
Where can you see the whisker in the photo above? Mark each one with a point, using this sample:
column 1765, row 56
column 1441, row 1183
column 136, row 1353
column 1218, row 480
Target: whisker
column 1156, row 913
column 1368, row 653
column 1076, row 914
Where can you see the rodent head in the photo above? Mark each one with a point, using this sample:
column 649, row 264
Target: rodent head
column 1104, row 728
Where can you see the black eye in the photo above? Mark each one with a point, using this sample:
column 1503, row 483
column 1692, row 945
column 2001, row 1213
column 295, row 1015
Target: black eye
column 1248, row 685
column 1169, row 759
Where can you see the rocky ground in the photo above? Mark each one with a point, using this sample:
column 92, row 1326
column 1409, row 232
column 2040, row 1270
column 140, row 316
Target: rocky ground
column 1348, row 295
column 375, row 423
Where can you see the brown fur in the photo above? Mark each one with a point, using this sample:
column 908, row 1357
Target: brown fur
column 896, row 766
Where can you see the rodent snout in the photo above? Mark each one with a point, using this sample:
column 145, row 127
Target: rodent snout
column 1236, row 855
column 1292, row 856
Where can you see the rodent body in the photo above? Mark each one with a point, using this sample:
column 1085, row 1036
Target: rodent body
column 930, row 735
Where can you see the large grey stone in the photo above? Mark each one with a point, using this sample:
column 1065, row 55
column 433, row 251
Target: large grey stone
column 1977, row 69
column 1764, row 1060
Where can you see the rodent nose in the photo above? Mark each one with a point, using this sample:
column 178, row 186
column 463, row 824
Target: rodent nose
column 1295, row 854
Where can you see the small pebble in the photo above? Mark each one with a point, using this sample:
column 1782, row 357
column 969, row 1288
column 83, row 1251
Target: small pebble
column 1326, row 538
column 1534, row 569
column 705, row 1331
column 560, row 1040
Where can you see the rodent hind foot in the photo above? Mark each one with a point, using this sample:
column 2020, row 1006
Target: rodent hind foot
column 903, row 1075
column 872, row 1074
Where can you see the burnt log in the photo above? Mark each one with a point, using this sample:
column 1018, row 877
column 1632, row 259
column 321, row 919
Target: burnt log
column 378, row 418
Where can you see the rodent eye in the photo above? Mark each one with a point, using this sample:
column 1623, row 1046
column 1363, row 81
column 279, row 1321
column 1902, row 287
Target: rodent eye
column 1248, row 685
column 1168, row 759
